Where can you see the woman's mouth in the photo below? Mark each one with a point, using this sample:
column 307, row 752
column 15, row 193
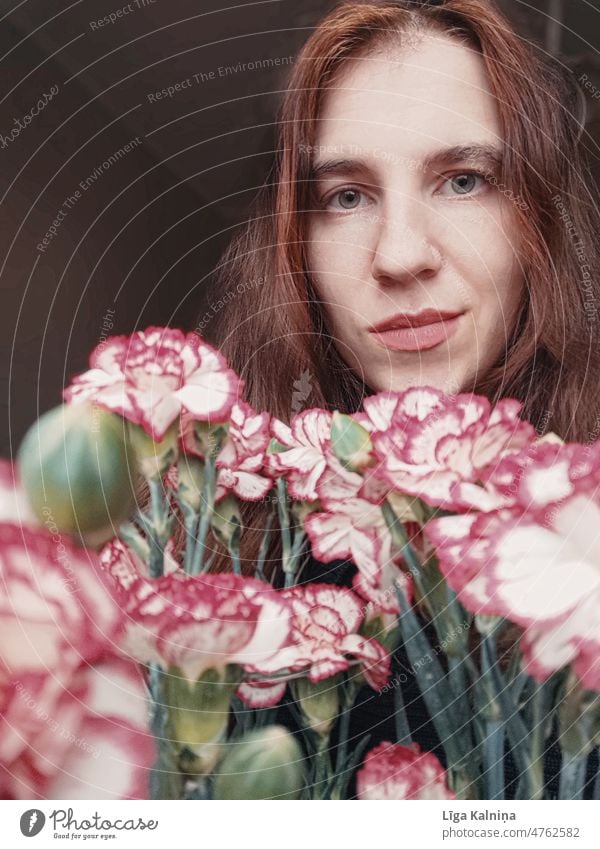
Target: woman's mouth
column 419, row 332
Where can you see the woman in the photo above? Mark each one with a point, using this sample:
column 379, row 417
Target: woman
column 427, row 220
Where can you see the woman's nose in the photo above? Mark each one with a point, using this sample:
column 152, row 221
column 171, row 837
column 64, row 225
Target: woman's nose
column 404, row 250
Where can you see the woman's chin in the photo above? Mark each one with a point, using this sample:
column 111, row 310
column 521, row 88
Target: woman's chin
column 450, row 384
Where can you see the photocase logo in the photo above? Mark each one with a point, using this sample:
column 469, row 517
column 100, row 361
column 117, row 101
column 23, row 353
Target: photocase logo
column 32, row 822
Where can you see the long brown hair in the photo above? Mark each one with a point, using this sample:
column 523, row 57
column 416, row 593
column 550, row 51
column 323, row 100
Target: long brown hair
column 271, row 329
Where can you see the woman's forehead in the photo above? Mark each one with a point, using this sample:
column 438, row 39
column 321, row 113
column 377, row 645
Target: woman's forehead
column 434, row 94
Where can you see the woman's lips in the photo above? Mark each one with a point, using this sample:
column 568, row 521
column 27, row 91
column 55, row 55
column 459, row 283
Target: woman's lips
column 418, row 338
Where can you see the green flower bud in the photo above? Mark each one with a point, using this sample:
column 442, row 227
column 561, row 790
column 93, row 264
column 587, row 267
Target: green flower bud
column 264, row 764
column 383, row 627
column 190, row 472
column 319, row 703
column 74, row 468
column 198, row 711
column 407, row 508
column 351, row 443
column 153, row 458
column 209, row 437
column 227, row 522
column 301, row 509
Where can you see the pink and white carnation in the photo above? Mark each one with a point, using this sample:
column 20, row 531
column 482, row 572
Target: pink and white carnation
column 154, row 374
column 90, row 740
column 392, row 771
column 325, row 638
column 441, row 448
column 206, row 621
column 261, row 693
column 536, row 564
column 125, row 566
column 352, row 525
column 241, row 460
column 14, row 506
column 59, row 628
column 308, row 444
column 547, row 472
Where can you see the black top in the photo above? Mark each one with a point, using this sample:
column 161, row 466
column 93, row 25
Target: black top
column 373, row 712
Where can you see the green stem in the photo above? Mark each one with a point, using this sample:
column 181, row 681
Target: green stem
column 536, row 770
column 191, row 529
column 322, row 768
column 453, row 727
column 264, row 546
column 572, row 776
column 349, row 691
column 158, row 527
column 493, row 744
column 403, row 735
column 292, row 565
column 494, row 759
column 165, row 779
column 132, row 537
column 596, row 793
column 338, row 788
column 286, row 538
column 517, row 730
column 343, row 738
column 234, row 553
column 400, row 538
column 208, row 497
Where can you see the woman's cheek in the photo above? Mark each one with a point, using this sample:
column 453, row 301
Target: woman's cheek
column 333, row 265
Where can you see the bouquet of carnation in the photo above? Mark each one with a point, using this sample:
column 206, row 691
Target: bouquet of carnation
column 131, row 669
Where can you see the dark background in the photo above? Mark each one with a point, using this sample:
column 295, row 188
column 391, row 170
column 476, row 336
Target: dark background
column 145, row 237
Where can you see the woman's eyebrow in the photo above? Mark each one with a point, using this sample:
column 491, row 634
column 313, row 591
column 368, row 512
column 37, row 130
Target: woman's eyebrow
column 487, row 155
column 337, row 167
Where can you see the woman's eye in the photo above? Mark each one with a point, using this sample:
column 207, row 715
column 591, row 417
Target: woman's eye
column 346, row 199
column 464, row 184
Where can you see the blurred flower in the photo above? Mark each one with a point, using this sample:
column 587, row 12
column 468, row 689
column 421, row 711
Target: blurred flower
column 91, row 739
column 206, row 621
column 201, row 630
column 324, row 636
column 14, row 506
column 152, row 375
column 532, row 480
column 536, row 563
column 393, row 771
column 55, row 603
column 73, row 712
column 74, row 469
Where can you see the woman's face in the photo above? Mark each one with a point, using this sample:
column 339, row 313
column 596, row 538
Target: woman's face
column 412, row 242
